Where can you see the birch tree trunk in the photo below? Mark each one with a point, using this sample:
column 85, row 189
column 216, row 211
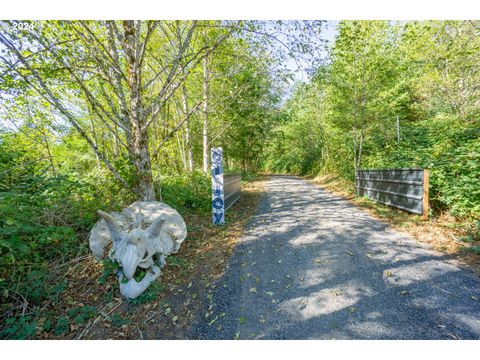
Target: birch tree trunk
column 94, row 139
column 140, row 155
column 205, row 118
column 181, row 148
column 187, row 129
column 362, row 129
column 362, row 114
column 355, row 110
column 138, row 147
column 109, row 76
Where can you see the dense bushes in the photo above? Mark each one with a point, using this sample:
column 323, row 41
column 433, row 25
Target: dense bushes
column 45, row 218
column 187, row 192
column 451, row 150
column 448, row 147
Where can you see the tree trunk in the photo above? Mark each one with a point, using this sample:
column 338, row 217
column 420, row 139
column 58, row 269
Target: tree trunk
column 188, row 140
column 139, row 153
column 181, row 148
column 362, row 128
column 398, row 130
column 50, row 157
column 355, row 100
column 94, row 139
column 116, row 145
column 205, row 118
column 138, row 148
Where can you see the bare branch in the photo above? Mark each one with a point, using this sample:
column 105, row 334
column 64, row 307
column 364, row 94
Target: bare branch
column 51, row 98
column 176, row 128
column 174, row 68
column 172, row 89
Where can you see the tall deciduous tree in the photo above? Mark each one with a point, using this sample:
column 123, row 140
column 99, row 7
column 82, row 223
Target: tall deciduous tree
column 125, row 72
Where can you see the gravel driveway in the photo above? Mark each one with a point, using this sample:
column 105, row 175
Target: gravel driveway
column 313, row 266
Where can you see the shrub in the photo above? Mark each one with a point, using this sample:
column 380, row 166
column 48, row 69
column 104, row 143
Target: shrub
column 187, row 192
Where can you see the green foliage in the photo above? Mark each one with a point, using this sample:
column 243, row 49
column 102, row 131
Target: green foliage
column 25, row 327
column 475, row 249
column 110, row 269
column 149, row 295
column 183, row 265
column 451, row 150
column 62, row 326
column 473, row 233
column 297, row 141
column 248, row 176
column 187, row 192
column 40, row 285
column 248, row 118
column 173, row 260
column 424, row 73
column 39, row 220
column 81, row 314
column 20, row 328
column 118, row 320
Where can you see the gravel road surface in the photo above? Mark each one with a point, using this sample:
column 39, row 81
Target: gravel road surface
column 313, row 266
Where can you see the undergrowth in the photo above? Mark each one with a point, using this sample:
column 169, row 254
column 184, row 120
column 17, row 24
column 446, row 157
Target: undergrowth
column 44, row 223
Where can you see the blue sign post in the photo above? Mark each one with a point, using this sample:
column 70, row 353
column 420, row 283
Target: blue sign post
column 218, row 203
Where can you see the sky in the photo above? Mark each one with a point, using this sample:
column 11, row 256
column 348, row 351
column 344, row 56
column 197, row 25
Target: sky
column 328, row 33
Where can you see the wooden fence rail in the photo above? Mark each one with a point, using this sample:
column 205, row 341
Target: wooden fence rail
column 405, row 189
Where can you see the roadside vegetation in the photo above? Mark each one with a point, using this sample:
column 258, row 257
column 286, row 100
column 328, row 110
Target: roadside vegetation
column 425, row 74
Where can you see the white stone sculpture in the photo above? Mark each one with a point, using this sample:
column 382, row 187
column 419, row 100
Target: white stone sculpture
column 141, row 236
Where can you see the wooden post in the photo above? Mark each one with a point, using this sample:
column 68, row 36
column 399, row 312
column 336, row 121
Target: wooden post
column 425, row 194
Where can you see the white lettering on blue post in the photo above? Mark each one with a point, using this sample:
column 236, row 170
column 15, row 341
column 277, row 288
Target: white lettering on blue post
column 218, row 209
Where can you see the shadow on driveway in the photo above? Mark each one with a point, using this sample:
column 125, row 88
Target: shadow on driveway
column 313, row 266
